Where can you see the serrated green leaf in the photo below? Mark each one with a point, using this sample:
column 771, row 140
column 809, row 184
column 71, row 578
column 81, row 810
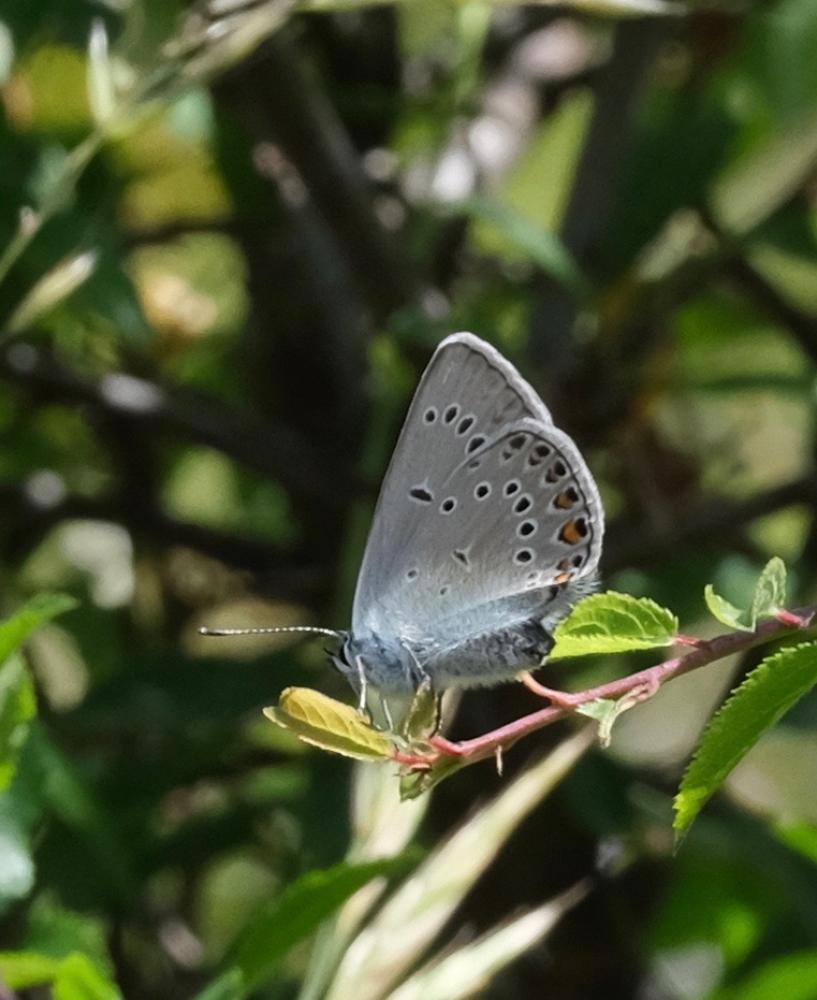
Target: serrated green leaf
column 614, row 623
column 331, row 725
column 770, row 590
column 724, row 612
column 298, row 912
column 40, row 609
column 761, row 700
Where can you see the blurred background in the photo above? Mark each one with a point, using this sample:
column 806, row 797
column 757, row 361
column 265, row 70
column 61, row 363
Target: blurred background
column 230, row 237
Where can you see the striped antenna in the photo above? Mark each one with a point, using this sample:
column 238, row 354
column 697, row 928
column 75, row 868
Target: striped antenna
column 271, row 630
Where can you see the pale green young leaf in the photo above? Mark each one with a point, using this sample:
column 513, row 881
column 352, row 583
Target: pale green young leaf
column 761, row 700
column 614, row 623
column 724, row 612
column 606, row 711
column 770, row 590
column 468, row 970
column 609, row 8
column 399, row 934
column 101, row 86
column 51, row 289
column 331, row 725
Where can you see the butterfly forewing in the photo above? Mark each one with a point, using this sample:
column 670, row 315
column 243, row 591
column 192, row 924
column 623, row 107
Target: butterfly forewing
column 484, row 499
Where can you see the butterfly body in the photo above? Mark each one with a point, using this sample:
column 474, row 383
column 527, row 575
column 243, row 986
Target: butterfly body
column 487, row 529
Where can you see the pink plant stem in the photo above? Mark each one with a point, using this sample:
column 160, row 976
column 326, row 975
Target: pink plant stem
column 705, row 652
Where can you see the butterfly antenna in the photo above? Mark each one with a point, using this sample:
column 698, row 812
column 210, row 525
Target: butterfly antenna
column 272, row 630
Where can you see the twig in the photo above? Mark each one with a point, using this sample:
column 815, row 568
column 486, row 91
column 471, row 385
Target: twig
column 28, row 515
column 645, row 683
column 631, row 542
column 270, row 448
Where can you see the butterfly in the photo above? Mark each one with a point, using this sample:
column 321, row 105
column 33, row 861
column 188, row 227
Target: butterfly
column 487, row 529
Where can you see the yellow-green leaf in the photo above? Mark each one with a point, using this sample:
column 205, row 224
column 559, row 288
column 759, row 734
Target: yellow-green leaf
column 614, row 623
column 331, row 725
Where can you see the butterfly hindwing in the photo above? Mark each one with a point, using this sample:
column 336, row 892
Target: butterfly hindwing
column 484, row 499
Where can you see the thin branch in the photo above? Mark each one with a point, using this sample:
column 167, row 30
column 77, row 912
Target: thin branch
column 280, row 103
column 269, row 448
column 642, row 684
column 632, row 542
column 31, row 514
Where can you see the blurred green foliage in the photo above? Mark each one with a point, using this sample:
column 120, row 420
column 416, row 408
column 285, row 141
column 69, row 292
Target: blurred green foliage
column 230, row 235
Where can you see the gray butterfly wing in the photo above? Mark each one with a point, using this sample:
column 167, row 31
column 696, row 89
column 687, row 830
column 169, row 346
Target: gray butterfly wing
column 484, row 500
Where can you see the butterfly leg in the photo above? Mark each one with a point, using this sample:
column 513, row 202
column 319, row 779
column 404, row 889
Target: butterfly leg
column 362, row 702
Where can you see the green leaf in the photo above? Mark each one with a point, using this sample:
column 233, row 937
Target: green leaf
column 542, row 246
column 18, row 707
column 331, row 725
column 75, row 977
column 78, row 978
column 724, row 612
column 793, row 977
column 39, row 610
column 770, row 590
column 21, row 969
column 768, row 598
column 229, row 986
column 614, row 623
column 761, row 700
column 298, row 912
